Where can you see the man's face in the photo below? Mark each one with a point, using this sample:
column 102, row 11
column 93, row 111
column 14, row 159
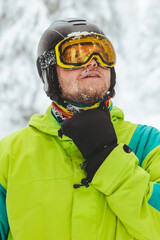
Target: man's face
column 87, row 85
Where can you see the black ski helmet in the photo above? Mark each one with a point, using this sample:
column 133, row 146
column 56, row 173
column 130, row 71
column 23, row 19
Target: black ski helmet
column 56, row 32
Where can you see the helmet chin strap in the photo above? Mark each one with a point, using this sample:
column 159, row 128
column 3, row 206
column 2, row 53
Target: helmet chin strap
column 44, row 78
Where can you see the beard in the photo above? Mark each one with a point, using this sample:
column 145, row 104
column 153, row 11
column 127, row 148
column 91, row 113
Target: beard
column 85, row 96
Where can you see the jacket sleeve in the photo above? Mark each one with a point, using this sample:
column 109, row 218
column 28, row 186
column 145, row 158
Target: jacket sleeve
column 133, row 193
column 4, row 226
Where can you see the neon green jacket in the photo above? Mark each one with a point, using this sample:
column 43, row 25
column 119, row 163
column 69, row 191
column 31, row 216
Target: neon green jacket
column 37, row 173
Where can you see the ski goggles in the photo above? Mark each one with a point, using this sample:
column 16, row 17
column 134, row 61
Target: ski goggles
column 77, row 51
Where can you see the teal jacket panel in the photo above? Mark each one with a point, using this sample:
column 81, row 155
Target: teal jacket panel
column 144, row 137
column 4, row 227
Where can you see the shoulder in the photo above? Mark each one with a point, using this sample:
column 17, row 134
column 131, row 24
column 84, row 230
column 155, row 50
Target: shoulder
column 12, row 137
column 144, row 140
column 137, row 136
column 17, row 140
column 146, row 136
column 124, row 129
column 8, row 146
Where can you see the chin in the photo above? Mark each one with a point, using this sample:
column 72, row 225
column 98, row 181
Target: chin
column 84, row 97
column 88, row 100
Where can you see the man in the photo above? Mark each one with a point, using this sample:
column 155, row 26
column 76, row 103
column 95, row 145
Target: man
column 79, row 171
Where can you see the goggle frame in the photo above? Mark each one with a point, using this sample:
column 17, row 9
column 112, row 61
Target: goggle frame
column 73, row 40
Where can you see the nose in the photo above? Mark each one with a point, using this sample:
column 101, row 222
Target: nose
column 92, row 63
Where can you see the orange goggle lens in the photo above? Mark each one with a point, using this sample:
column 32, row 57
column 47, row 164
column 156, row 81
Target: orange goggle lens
column 78, row 50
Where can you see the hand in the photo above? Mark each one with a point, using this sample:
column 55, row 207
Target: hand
column 93, row 133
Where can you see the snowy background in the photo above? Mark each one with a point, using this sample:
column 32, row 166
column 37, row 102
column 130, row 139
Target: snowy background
column 132, row 26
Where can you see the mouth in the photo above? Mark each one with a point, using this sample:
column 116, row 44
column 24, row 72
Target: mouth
column 91, row 75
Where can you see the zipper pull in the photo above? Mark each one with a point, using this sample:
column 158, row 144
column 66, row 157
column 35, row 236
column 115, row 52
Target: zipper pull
column 84, row 182
column 77, row 185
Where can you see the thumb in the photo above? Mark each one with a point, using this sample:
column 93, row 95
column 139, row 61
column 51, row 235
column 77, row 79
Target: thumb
column 63, row 129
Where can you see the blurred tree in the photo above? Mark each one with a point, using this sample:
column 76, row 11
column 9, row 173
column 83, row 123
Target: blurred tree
column 149, row 44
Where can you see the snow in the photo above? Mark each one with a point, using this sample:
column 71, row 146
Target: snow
column 78, row 33
column 134, row 32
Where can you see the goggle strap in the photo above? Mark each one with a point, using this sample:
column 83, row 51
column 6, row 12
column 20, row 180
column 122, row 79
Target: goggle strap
column 47, row 59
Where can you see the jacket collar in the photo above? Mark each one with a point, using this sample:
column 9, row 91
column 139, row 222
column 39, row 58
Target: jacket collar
column 47, row 123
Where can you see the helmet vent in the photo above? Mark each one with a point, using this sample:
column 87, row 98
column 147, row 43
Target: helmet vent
column 77, row 20
column 76, row 24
